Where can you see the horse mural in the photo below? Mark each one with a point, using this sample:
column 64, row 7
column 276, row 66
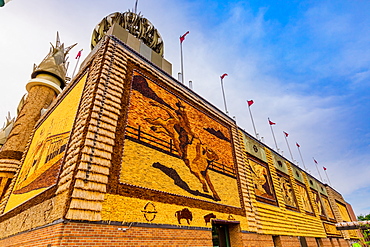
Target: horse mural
column 195, row 154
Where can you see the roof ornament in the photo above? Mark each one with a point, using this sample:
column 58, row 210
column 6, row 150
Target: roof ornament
column 135, row 24
column 5, row 130
column 55, row 63
column 9, row 120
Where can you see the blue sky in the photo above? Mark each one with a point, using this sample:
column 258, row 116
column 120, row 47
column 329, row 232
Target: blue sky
column 306, row 65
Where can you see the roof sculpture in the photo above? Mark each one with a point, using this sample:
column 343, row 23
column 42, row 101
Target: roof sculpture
column 4, row 132
column 135, row 24
column 55, row 63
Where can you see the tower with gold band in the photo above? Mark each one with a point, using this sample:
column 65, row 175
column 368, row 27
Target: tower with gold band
column 47, row 81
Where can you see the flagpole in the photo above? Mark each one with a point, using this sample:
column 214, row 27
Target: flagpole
column 273, row 135
column 327, row 176
column 286, row 139
column 136, row 6
column 250, row 113
column 78, row 60
column 317, row 168
column 182, row 64
column 182, row 38
column 299, row 151
column 223, row 93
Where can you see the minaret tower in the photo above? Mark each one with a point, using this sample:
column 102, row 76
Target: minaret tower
column 47, row 81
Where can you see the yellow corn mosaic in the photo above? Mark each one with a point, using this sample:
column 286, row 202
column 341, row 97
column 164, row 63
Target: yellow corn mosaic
column 41, row 164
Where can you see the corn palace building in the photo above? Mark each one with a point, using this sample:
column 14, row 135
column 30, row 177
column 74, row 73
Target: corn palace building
column 126, row 155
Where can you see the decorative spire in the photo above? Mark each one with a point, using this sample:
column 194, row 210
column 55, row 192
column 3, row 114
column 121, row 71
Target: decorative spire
column 4, row 132
column 55, row 63
column 135, row 9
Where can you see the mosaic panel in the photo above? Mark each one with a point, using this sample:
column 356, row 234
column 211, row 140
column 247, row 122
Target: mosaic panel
column 41, row 166
column 327, row 207
column 263, row 187
column 304, row 198
column 331, row 229
column 174, row 146
column 343, row 212
column 287, row 190
column 318, row 202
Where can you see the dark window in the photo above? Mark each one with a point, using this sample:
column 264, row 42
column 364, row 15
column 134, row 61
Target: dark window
column 220, row 235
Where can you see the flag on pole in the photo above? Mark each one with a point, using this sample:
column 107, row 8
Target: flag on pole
column 300, row 154
column 223, row 91
column 326, row 174
column 318, row 171
column 271, row 123
column 286, row 139
column 273, row 135
column 250, row 102
column 182, row 38
column 79, row 54
column 3, row 2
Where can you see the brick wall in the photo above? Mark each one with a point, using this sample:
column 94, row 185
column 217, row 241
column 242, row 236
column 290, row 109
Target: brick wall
column 257, row 240
column 343, row 242
column 311, row 242
column 40, row 237
column 334, row 242
column 83, row 234
column 289, row 241
column 325, row 242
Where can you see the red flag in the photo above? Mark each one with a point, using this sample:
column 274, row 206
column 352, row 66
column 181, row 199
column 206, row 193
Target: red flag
column 286, row 134
column 223, row 76
column 250, row 102
column 182, row 38
column 315, row 161
column 297, row 145
column 324, row 168
column 271, row 123
column 79, row 54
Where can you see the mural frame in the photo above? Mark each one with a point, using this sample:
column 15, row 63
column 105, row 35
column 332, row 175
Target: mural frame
column 116, row 187
column 317, row 197
column 304, row 187
column 326, row 198
column 290, row 207
column 268, row 178
column 50, row 191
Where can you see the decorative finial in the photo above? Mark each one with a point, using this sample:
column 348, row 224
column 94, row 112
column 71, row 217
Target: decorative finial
column 55, row 63
column 5, row 130
column 135, row 24
column 136, row 6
